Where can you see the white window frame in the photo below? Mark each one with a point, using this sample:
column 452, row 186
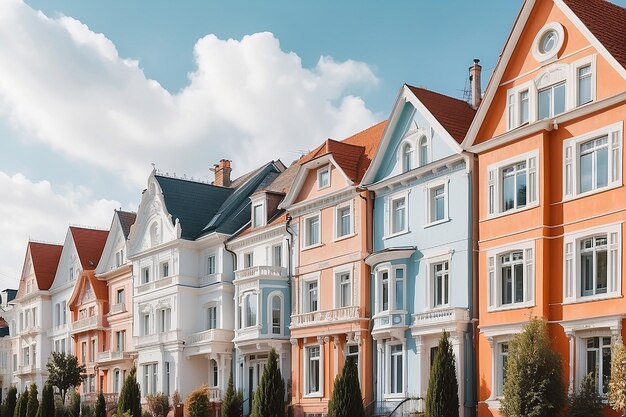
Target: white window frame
column 162, row 269
column 418, row 148
column 389, row 200
column 307, row 392
column 575, row 67
column 262, row 221
column 542, row 57
column 571, row 158
column 208, row 263
column 145, row 273
column 277, row 262
column 514, row 105
column 320, row 171
column 337, row 223
column 392, row 302
column 270, row 313
column 498, row 384
column 208, row 308
column 430, row 263
column 337, row 274
column 407, row 142
column 495, row 186
column 388, row 394
column 305, row 230
column 572, row 267
column 245, row 302
column 248, row 260
column 429, row 190
column 305, row 293
column 164, row 325
column 494, row 279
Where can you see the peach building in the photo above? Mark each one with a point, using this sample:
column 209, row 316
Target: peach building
column 331, row 288
column 551, row 213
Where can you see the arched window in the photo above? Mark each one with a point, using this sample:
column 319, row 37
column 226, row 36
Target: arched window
column 116, row 380
column 407, row 157
column 213, row 373
column 423, row 149
column 276, row 315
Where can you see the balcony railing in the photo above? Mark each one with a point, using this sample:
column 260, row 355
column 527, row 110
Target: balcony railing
column 87, row 323
column 215, row 394
column 27, row 369
column 109, row 356
column 446, row 315
column 212, row 335
column 117, row 308
column 92, row 397
column 260, row 272
column 30, row 330
column 58, row 329
column 325, row 316
column 158, row 338
column 209, row 279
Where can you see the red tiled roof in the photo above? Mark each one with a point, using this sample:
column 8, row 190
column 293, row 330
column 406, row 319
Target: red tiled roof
column 454, row 115
column 606, row 21
column 127, row 219
column 353, row 154
column 99, row 288
column 89, row 245
column 45, row 257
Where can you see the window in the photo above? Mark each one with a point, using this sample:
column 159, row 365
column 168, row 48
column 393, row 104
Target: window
column 213, row 381
column 83, row 352
column 343, row 221
column 390, row 288
column 120, row 337
column 593, row 266
column 407, row 157
column 312, row 231
column 399, row 288
column 211, row 318
column 344, row 289
column 523, row 107
column 437, row 208
column 167, row 378
column 598, row 362
column 150, row 372
column 548, row 42
column 398, row 216
column 502, row 354
column 210, row 265
column 352, row 351
column 584, row 84
column 57, row 314
column 71, row 274
column 441, row 284
column 313, row 363
column 323, row 177
column 119, row 296
column 385, row 291
column 248, row 260
column 310, row 296
column 92, row 352
column 165, row 269
column 117, row 375
column 513, row 184
column 165, row 319
column 423, row 149
column 64, row 311
column 396, row 369
column 250, row 308
column 276, row 315
column 146, row 324
column 511, row 276
column 592, row 162
column 277, row 255
column 257, row 215
column 26, row 356
column 145, row 275
column 551, row 101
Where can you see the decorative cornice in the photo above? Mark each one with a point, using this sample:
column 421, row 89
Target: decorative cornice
column 325, row 201
column 255, row 238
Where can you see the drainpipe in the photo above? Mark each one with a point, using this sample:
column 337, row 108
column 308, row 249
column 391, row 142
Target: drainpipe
column 233, row 368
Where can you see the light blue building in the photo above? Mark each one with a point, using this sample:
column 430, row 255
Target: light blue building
column 422, row 260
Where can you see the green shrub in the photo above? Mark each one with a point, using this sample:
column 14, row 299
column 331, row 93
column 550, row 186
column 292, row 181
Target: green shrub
column 10, row 402
column 130, row 396
column 86, row 411
column 158, row 404
column 22, row 403
column 46, row 408
column 232, row 405
column 33, row 402
column 442, row 399
column 586, row 402
column 197, row 404
column 346, row 400
column 74, row 408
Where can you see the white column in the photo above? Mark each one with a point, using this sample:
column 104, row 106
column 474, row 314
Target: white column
column 419, row 350
column 572, row 360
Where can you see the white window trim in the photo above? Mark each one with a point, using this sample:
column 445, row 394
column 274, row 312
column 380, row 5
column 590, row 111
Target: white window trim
column 571, row 156
column 388, row 394
column 493, row 276
column 346, row 350
column 389, row 214
column 429, row 149
column 532, row 104
column 541, row 57
column 304, row 298
column 428, row 190
column 391, row 271
column 263, row 221
column 218, row 317
column 305, row 233
column 161, row 265
column 244, row 319
column 496, row 372
column 571, row 264
column 305, row 383
column 206, row 268
column 337, row 224
column 430, row 288
column 337, row 272
column 494, row 184
column 270, row 321
column 328, row 168
column 408, row 141
column 574, row 67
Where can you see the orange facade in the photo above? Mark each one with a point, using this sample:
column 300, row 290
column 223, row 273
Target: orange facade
column 551, row 197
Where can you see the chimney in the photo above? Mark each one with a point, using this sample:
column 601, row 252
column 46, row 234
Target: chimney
column 474, row 77
column 222, row 173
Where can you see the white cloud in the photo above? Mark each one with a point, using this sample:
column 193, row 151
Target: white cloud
column 247, row 100
column 38, row 211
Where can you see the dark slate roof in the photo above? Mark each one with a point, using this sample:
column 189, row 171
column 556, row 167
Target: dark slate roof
column 193, row 203
column 127, row 219
column 11, row 293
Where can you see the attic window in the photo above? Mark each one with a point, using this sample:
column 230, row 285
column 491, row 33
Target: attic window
column 257, row 215
column 323, row 177
column 548, row 42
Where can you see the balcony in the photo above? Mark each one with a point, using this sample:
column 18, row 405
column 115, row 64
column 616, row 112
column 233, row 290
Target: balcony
column 110, row 356
column 390, row 324
column 209, row 336
column 30, row 330
column 117, row 309
column 87, row 323
column 92, row 397
column 209, row 279
column 435, row 321
column 156, row 284
column 158, row 338
column 27, row 369
column 314, row 318
column 259, row 272
column 57, row 330
column 215, row 394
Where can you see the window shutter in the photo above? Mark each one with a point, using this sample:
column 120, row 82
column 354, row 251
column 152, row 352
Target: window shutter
column 530, row 275
column 387, row 216
column 614, row 262
column 616, row 153
column 492, row 190
column 492, row 281
column 532, row 179
column 569, row 284
column 568, row 180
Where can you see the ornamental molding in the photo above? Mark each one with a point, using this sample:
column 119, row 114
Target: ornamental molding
column 257, row 237
column 330, row 200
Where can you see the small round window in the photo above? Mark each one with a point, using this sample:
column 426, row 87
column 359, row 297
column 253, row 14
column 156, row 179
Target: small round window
column 548, row 42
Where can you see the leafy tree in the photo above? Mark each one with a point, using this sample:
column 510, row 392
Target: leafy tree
column 74, row 409
column 269, row 398
column 130, row 396
column 586, row 402
column 534, row 382
column 33, row 402
column 158, row 404
column 346, row 400
column 64, row 372
column 46, row 408
column 10, row 402
column 617, row 385
column 232, row 406
column 22, row 403
column 101, row 409
column 442, row 399
column 197, row 404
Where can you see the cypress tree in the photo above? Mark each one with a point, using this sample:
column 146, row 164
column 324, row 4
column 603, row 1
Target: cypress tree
column 130, row 396
column 46, row 408
column 75, row 404
column 33, row 402
column 11, row 402
column 534, row 382
column 22, row 402
column 346, row 400
column 442, row 399
column 231, row 406
column 269, row 398
column 101, row 410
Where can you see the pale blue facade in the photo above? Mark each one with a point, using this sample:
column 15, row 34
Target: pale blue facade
column 422, row 261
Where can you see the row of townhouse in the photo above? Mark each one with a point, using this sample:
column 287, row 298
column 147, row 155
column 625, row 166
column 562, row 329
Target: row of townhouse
column 468, row 218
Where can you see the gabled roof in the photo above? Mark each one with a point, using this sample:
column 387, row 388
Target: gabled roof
column 127, row 219
column 99, row 288
column 606, row 21
column 453, row 114
column 89, row 245
column 45, row 258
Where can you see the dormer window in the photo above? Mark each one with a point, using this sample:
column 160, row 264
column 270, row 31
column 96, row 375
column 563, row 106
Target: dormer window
column 423, row 150
column 323, row 177
column 258, row 218
column 407, row 157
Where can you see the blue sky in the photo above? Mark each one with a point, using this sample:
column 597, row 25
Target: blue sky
column 92, row 92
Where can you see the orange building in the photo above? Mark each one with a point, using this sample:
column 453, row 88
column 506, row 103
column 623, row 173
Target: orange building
column 551, row 212
column 331, row 289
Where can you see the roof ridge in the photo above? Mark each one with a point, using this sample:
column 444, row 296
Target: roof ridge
column 438, row 93
column 93, row 228
column 191, row 180
column 43, row 242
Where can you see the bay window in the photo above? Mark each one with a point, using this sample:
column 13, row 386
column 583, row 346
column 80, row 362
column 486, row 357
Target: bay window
column 390, row 288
